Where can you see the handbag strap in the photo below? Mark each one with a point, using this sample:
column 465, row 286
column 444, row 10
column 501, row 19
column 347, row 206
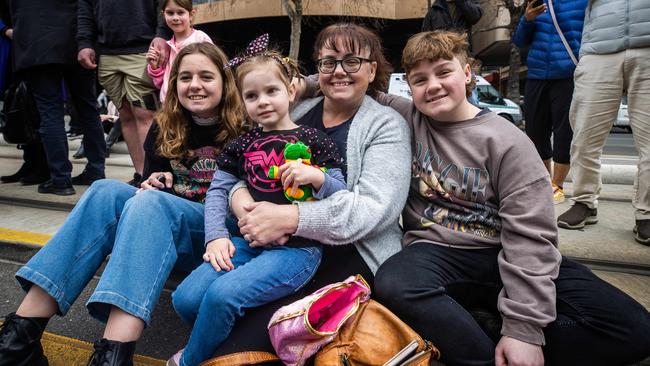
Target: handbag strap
column 242, row 358
column 559, row 31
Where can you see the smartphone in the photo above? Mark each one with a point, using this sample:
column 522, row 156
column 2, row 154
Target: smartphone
column 537, row 3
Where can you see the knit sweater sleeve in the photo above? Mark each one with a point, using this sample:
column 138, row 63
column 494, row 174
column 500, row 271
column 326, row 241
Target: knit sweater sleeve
column 378, row 151
column 529, row 260
column 86, row 26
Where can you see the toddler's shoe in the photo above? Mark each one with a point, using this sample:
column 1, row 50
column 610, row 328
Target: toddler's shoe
column 175, row 360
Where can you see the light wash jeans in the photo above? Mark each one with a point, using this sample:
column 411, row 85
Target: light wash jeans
column 599, row 84
column 212, row 300
column 145, row 234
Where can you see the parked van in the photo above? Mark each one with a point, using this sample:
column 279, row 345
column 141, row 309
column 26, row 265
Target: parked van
column 487, row 95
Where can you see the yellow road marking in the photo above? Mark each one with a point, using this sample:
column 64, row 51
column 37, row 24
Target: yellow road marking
column 64, row 351
column 23, row 237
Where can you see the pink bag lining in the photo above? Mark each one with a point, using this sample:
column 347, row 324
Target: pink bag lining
column 331, row 310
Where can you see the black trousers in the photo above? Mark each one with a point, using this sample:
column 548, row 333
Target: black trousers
column 435, row 289
column 547, row 113
column 46, row 83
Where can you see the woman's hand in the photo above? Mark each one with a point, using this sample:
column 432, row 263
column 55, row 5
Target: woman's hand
column 295, row 174
column 240, row 198
column 533, row 11
column 157, row 180
column 267, row 223
column 218, row 253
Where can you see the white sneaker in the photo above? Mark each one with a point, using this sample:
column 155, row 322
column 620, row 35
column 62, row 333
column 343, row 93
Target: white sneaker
column 175, row 360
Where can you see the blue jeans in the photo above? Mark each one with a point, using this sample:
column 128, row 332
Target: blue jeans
column 212, row 300
column 436, row 289
column 145, row 233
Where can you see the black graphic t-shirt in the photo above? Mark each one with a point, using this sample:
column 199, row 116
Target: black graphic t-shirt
column 193, row 171
column 251, row 155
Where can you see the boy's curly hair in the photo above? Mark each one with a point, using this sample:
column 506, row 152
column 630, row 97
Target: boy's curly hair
column 436, row 45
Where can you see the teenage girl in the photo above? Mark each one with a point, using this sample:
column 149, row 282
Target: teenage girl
column 178, row 16
column 202, row 113
column 235, row 276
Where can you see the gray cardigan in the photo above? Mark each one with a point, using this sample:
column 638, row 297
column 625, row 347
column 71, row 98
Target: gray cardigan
column 615, row 25
column 367, row 213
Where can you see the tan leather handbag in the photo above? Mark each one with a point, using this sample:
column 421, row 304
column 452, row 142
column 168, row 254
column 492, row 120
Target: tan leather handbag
column 242, row 358
column 376, row 336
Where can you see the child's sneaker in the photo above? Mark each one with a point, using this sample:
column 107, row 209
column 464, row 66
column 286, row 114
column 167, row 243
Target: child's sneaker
column 558, row 194
column 175, row 360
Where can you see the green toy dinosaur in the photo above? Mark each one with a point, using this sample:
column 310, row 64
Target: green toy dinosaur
column 293, row 152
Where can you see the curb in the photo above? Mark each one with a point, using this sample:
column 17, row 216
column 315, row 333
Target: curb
column 614, row 174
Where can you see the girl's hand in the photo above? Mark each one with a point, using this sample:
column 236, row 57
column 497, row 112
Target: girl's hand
column 153, row 57
column 295, row 174
column 158, row 180
column 218, row 252
column 268, row 224
column 533, row 11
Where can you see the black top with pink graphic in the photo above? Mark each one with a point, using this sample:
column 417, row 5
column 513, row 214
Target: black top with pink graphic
column 250, row 156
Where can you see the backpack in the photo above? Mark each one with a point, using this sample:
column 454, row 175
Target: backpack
column 20, row 118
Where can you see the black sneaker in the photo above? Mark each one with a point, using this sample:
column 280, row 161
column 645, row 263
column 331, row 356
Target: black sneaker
column 35, row 179
column 137, row 179
column 50, row 187
column 642, row 231
column 85, row 179
column 577, row 217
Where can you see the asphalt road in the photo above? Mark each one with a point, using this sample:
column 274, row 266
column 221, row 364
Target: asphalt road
column 620, row 143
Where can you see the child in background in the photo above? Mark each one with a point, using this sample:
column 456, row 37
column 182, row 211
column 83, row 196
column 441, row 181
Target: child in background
column 236, row 275
column 178, row 16
column 480, row 232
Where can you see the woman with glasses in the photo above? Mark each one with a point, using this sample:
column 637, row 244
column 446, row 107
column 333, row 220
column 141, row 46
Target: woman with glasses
column 358, row 226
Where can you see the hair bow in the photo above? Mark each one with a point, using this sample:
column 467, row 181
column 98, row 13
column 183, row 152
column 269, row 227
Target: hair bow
column 258, row 46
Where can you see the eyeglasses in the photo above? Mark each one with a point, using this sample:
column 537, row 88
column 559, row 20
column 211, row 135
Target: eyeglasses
column 350, row 64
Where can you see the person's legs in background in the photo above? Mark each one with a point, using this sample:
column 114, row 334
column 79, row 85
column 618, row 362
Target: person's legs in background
column 45, row 82
column 637, row 71
column 539, row 127
column 81, row 83
column 560, row 93
column 596, row 99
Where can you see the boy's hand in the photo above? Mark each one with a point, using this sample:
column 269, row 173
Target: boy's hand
column 295, row 174
column 533, row 11
column 218, row 252
column 153, row 57
column 513, row 352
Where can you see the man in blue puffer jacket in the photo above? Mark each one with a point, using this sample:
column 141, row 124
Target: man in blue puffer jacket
column 549, row 87
column 613, row 58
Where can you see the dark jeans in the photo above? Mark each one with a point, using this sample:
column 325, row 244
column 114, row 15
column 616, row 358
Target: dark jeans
column 45, row 83
column 434, row 289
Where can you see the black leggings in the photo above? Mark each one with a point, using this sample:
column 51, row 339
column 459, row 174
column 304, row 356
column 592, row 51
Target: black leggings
column 250, row 333
column 547, row 104
column 436, row 289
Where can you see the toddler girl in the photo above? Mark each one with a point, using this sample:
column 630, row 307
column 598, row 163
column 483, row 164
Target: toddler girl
column 237, row 276
column 178, row 16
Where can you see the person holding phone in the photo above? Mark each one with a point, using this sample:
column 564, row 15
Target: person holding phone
column 549, row 84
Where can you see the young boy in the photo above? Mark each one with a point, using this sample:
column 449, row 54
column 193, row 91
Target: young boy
column 480, row 234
